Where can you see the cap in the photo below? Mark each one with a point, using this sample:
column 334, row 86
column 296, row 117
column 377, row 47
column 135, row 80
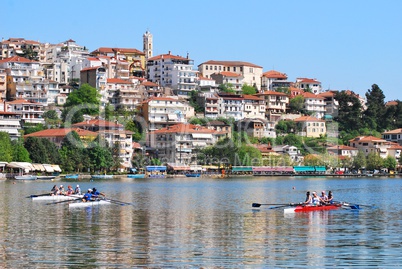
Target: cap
column 61, row 185
column 89, row 189
column 78, row 185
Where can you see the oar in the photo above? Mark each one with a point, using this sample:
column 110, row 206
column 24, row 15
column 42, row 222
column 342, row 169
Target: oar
column 117, row 201
column 351, row 205
column 65, row 201
column 258, row 205
column 37, row 195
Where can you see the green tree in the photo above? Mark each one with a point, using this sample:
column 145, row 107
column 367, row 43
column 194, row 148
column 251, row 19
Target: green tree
column 296, row 104
column 375, row 112
column 359, row 161
column 133, row 127
column 20, row 153
column 227, row 88
column 284, row 90
column 248, row 156
column 100, row 156
column 193, row 102
column 71, row 118
column 247, row 89
column 85, row 99
column 390, row 163
column 51, row 151
column 313, row 160
column 30, row 54
column 32, row 128
column 6, row 151
column 374, row 161
column 72, row 153
column 37, row 150
column 349, row 112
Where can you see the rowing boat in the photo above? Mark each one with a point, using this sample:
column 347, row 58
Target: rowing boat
column 55, row 197
column 309, row 208
column 88, row 204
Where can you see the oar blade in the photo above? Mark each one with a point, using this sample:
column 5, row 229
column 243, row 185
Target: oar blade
column 256, row 205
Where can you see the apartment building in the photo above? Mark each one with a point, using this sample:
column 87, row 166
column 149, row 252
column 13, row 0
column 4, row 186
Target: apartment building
column 231, row 106
column 121, row 93
column 272, row 80
column 160, row 112
column 254, row 107
column 180, row 143
column 176, row 72
column 369, row 144
column 308, row 84
column 311, row 126
column 393, row 136
column 276, row 104
column 235, row 80
column 251, row 73
column 3, row 83
column 115, row 67
column 113, row 133
column 28, row 112
column 10, row 123
column 22, row 47
column 256, row 127
column 314, row 104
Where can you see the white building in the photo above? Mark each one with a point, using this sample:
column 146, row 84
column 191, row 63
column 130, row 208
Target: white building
column 29, row 112
column 173, row 71
column 10, row 123
column 314, row 104
column 272, row 80
column 307, row 83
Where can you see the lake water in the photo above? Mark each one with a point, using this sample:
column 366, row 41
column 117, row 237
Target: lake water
column 203, row 223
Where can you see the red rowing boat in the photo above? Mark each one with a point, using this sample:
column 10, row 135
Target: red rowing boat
column 309, row 208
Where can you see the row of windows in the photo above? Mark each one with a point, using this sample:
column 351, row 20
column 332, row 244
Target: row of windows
column 314, row 130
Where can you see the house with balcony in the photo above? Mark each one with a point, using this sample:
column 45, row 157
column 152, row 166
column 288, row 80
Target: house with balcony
column 393, row 136
column 370, row 144
column 180, row 143
column 149, row 89
column 96, row 77
column 253, row 107
column 122, row 94
column 160, row 112
column 231, row 106
column 10, row 123
column 211, row 102
column 309, row 126
column 114, row 134
column 331, row 104
column 256, row 127
column 314, row 104
column 222, row 130
column 233, row 79
column 173, row 71
column 250, row 73
column 273, row 80
column 308, row 85
column 276, row 104
column 207, row 85
column 28, row 112
column 291, row 151
column 343, row 151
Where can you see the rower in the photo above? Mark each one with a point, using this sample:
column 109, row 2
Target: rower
column 54, row 190
column 87, row 196
column 77, row 190
column 330, row 198
column 316, row 200
column 61, row 190
column 308, row 199
column 323, row 198
column 69, row 190
column 96, row 193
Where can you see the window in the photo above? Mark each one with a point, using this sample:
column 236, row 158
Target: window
column 206, row 67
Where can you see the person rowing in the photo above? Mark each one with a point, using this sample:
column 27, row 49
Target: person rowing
column 316, row 200
column 323, row 198
column 87, row 196
column 77, row 190
column 308, row 200
column 96, row 193
column 69, row 191
column 330, row 198
column 54, row 190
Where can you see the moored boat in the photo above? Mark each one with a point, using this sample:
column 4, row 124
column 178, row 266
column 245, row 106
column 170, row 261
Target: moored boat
column 136, row 175
column 309, row 208
column 79, row 204
column 55, row 197
column 26, row 177
column 101, row 176
column 72, row 176
column 45, row 177
column 193, row 174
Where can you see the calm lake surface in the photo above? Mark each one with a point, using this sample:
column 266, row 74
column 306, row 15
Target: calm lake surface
column 203, row 223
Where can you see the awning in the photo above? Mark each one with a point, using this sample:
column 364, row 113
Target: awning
column 242, row 169
column 21, row 165
column 272, row 169
column 156, row 168
column 205, row 136
column 179, row 167
column 38, row 167
column 56, row 167
column 48, row 168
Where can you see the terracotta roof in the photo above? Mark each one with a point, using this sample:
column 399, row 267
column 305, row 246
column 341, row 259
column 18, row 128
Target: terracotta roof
column 327, row 94
column 136, row 145
column 230, row 63
column 216, row 123
column 120, row 50
column 167, row 56
column 228, row 74
column 8, row 113
column 97, row 122
column 184, row 128
column 22, row 101
column 252, row 97
column 272, row 93
column 90, row 68
column 341, row 147
column 149, row 84
column 118, row 81
column 308, row 118
column 308, row 80
column 274, row 74
column 17, row 59
column 61, row 132
column 391, row 103
column 369, row 138
column 395, row 147
column 395, row 131
column 311, row 95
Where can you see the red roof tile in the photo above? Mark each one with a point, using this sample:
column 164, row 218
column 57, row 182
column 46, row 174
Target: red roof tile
column 118, row 81
column 274, row 74
column 17, row 59
column 97, row 122
column 230, row 63
column 184, row 128
column 61, row 132
column 308, row 118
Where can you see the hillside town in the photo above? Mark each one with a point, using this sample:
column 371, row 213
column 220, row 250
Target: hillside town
column 162, row 109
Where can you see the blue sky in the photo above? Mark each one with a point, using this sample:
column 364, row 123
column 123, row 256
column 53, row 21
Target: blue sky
column 345, row 44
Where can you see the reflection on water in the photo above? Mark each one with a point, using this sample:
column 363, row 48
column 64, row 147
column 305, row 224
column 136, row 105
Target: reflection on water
column 203, row 223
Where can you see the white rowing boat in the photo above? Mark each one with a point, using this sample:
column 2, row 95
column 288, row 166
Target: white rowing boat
column 55, row 197
column 88, row 204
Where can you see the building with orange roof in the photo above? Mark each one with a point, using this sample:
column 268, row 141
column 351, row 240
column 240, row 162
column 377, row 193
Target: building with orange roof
column 310, row 126
column 180, row 143
column 57, row 135
column 231, row 106
column 173, row 71
column 121, row 94
column 370, row 144
column 314, row 104
column 391, row 103
column 114, row 134
column 393, row 136
column 150, row 89
column 256, row 127
column 308, row 83
column 331, row 104
column 276, row 104
column 342, row 150
column 254, row 107
column 235, row 80
column 160, row 112
column 118, row 68
column 272, row 80
column 295, row 91
column 251, row 73
column 29, row 112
